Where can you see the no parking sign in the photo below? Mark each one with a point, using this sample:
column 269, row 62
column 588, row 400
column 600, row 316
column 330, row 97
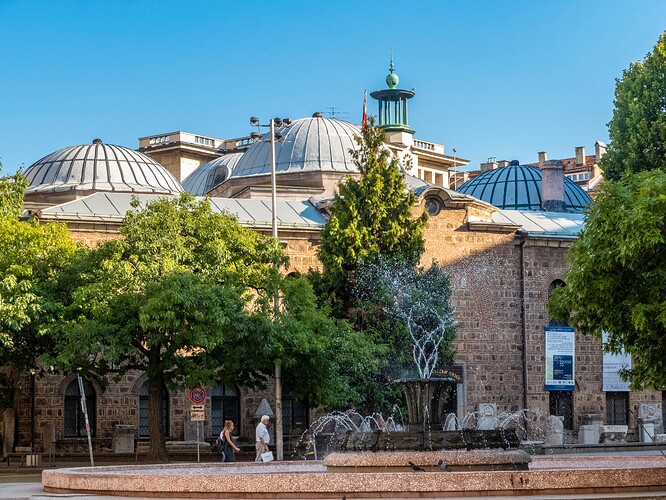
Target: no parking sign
column 198, row 395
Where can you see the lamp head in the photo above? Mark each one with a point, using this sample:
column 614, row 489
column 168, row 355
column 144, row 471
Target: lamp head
column 278, row 136
column 277, row 122
column 255, row 135
column 254, row 121
column 287, row 121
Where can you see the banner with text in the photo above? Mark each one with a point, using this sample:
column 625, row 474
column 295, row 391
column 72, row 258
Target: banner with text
column 613, row 365
column 560, row 356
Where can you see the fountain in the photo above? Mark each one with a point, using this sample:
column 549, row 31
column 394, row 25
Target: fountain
column 375, row 457
column 419, row 301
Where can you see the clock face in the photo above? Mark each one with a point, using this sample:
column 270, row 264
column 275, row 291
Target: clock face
column 433, row 206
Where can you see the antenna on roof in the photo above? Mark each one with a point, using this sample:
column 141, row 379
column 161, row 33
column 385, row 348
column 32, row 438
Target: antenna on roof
column 332, row 112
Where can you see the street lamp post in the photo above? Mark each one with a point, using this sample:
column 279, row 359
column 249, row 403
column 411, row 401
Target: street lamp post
column 455, row 171
column 254, row 121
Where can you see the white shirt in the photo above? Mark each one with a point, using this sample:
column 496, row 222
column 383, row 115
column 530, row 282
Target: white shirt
column 262, row 432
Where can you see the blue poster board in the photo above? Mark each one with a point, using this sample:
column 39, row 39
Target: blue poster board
column 560, row 358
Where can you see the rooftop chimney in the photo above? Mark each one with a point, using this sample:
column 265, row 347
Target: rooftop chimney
column 552, row 186
column 491, row 165
column 543, row 156
column 503, row 163
column 599, row 150
column 580, row 156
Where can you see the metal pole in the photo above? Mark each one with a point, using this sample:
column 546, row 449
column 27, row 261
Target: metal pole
column 278, row 366
column 198, row 454
column 84, row 408
column 455, row 171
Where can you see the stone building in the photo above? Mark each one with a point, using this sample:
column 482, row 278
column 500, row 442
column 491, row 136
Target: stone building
column 502, row 236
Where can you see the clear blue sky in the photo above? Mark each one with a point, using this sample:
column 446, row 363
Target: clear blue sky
column 493, row 78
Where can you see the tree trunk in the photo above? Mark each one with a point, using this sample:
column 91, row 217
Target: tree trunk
column 157, row 452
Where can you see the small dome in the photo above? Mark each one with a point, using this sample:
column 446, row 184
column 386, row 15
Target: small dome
column 518, row 187
column 207, row 176
column 314, row 144
column 99, row 167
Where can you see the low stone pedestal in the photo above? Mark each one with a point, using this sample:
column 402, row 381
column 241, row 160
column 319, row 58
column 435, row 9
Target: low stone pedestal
column 123, row 438
column 614, row 433
column 588, row 434
column 33, row 460
column 647, row 430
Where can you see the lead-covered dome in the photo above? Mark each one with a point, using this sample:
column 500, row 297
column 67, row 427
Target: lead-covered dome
column 314, row 144
column 518, row 187
column 99, row 167
column 211, row 174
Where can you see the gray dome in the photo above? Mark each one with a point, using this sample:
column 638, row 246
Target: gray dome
column 518, row 187
column 309, row 145
column 207, row 176
column 99, row 167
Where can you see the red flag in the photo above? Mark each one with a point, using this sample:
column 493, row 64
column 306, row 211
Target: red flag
column 364, row 121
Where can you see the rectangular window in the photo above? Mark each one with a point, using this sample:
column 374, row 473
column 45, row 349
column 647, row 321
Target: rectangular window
column 560, row 403
column 617, row 408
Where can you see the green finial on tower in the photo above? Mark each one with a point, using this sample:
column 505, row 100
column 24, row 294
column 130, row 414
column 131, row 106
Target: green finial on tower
column 392, row 79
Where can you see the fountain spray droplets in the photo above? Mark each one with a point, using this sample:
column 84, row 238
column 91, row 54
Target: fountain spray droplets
column 419, row 299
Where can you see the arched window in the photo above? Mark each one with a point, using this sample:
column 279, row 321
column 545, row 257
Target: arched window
column 225, row 405
column 294, row 415
column 75, row 422
column 144, row 411
column 554, row 286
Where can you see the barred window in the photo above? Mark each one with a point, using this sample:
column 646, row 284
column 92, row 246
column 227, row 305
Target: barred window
column 75, row 422
column 560, row 403
column 617, row 408
column 144, row 412
column 225, row 405
column 294, row 414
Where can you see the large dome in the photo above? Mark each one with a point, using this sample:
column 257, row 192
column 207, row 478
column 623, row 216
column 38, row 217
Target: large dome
column 314, row 144
column 99, row 167
column 518, row 187
column 209, row 175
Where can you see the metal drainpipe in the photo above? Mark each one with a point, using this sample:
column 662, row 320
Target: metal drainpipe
column 522, row 234
column 32, row 412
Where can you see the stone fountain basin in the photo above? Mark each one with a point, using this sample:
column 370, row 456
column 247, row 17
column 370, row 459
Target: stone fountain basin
column 456, row 461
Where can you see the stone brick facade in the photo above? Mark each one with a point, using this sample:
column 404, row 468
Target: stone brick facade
column 500, row 282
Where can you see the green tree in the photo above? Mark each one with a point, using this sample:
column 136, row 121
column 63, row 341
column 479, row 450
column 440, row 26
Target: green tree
column 324, row 360
column 637, row 130
column 174, row 297
column 617, row 280
column 31, row 257
column 372, row 215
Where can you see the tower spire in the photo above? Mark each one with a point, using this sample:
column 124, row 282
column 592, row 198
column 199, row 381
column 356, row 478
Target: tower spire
column 393, row 103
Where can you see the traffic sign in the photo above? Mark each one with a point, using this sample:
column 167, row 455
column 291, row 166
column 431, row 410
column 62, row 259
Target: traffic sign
column 197, row 408
column 197, row 395
column 197, row 415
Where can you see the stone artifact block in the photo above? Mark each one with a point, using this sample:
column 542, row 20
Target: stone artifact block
column 588, row 434
column 123, row 438
column 191, row 431
column 652, row 412
column 614, row 433
column 646, row 429
column 487, row 416
column 555, row 430
column 660, row 438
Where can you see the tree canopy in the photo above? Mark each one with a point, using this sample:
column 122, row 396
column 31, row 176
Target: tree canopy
column 31, row 258
column 617, row 281
column 372, row 215
column 637, row 130
column 186, row 296
column 172, row 298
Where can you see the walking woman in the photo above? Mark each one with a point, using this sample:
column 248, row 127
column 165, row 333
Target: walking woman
column 229, row 448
